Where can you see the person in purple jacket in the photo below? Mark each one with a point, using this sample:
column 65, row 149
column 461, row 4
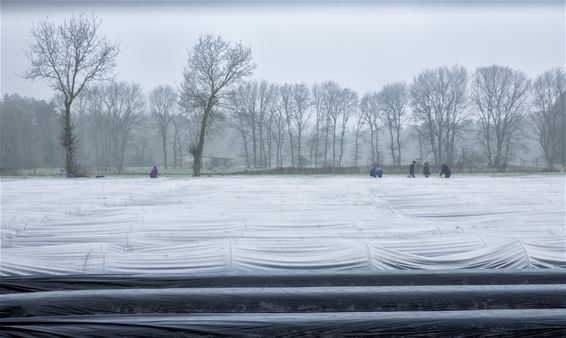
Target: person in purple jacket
column 153, row 173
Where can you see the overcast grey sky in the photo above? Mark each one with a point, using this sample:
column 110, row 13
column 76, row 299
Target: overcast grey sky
column 361, row 46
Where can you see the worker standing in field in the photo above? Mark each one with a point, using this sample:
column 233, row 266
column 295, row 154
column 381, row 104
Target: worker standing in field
column 153, row 172
column 412, row 169
column 445, row 170
column 426, row 169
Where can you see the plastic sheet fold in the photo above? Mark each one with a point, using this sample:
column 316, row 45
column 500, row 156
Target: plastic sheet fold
column 269, row 224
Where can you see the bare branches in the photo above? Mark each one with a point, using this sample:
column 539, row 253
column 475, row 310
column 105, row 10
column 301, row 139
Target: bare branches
column 393, row 100
column 549, row 91
column 369, row 107
column 162, row 105
column 123, row 106
column 69, row 56
column 300, row 115
column 213, row 66
column 348, row 107
column 500, row 97
column 335, row 106
column 271, row 119
column 438, row 99
column 162, row 102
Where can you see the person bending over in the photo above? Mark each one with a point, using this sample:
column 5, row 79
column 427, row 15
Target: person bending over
column 445, row 170
column 376, row 172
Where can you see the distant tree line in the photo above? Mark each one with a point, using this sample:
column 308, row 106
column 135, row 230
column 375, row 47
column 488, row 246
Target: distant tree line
column 102, row 122
column 29, row 133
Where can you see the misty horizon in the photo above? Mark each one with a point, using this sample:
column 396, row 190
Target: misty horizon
column 361, row 46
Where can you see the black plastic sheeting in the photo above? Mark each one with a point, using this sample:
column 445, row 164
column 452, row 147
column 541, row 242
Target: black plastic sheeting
column 464, row 303
column 491, row 323
column 283, row 300
column 383, row 278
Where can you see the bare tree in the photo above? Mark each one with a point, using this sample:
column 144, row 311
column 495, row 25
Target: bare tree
column 301, row 115
column 69, row 56
column 456, row 112
column 348, row 106
column 279, row 122
column 357, row 134
column 319, row 122
column 192, row 117
column 162, row 102
column 419, row 131
column 549, row 89
column 123, row 108
column 238, row 123
column 286, row 106
column 561, row 106
column 500, row 97
column 178, row 121
column 393, row 100
column 246, row 102
column 213, row 67
column 293, row 105
column 369, row 107
column 331, row 95
column 438, row 99
column 252, row 104
column 241, row 119
column 265, row 108
column 80, row 112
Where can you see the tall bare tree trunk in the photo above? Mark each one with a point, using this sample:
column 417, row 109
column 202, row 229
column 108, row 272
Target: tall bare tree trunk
column 68, row 141
column 164, row 144
column 316, row 142
column 562, row 107
column 334, row 144
column 398, row 148
column 299, row 161
column 197, row 151
column 392, row 146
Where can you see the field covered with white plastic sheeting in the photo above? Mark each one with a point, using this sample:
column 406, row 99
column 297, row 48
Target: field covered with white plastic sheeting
column 280, row 224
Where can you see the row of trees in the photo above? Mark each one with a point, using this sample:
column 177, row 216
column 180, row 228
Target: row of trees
column 275, row 120
column 109, row 123
column 323, row 125
column 288, row 125
column 438, row 104
column 73, row 55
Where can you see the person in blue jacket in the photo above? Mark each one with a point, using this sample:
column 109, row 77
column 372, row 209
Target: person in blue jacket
column 445, row 170
column 376, row 172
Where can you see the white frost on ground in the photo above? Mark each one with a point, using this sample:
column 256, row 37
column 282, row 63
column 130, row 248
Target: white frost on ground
column 280, row 223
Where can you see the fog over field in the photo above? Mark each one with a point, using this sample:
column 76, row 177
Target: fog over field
column 327, row 85
column 200, row 168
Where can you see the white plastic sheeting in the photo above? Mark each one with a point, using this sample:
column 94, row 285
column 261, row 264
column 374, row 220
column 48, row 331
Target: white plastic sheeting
column 277, row 224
